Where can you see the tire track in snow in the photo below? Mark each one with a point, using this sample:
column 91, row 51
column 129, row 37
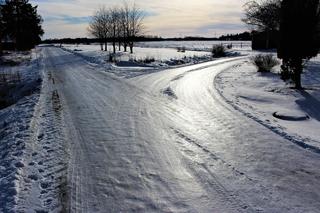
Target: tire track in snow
column 202, row 171
column 205, row 175
column 120, row 165
column 208, row 125
column 44, row 187
column 126, row 158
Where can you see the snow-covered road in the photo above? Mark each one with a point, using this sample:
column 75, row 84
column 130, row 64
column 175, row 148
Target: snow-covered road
column 167, row 142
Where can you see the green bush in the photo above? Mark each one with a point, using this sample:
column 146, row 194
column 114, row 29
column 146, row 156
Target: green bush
column 264, row 63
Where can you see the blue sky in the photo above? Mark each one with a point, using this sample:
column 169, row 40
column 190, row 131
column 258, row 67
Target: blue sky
column 167, row 18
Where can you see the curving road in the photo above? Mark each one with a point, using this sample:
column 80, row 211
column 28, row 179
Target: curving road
column 167, row 142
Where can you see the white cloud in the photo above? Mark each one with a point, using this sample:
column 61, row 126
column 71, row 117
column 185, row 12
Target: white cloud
column 169, row 17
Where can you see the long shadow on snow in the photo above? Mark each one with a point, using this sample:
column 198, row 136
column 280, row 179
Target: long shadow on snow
column 309, row 104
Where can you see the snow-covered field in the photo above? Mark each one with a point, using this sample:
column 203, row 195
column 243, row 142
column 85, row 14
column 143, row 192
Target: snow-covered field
column 197, row 138
column 261, row 95
column 160, row 57
column 196, row 45
column 140, row 53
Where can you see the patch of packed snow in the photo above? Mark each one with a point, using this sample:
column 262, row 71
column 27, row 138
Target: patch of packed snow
column 273, row 103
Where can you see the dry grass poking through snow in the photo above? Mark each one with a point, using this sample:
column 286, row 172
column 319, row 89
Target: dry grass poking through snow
column 264, row 63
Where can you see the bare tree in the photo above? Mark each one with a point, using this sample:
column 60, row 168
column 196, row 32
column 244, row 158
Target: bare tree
column 125, row 11
column 114, row 14
column 99, row 26
column 106, row 23
column 263, row 16
column 120, row 25
column 133, row 24
column 120, row 28
column 136, row 25
column 95, row 29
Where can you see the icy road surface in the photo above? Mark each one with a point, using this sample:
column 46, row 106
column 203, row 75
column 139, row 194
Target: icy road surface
column 167, row 142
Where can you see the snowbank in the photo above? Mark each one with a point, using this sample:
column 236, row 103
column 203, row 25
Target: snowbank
column 271, row 102
column 15, row 121
column 33, row 152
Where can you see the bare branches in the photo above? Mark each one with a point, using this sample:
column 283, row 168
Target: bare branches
column 263, row 16
column 99, row 26
column 118, row 24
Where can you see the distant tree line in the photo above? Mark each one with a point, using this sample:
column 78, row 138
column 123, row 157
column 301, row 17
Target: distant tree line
column 20, row 24
column 246, row 36
column 121, row 25
column 96, row 40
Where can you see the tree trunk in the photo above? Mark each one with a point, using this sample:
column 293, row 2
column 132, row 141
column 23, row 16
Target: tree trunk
column 125, row 47
column 297, row 63
column 114, row 40
column 101, row 46
column 105, row 46
column 268, row 39
column 0, row 45
column 119, row 45
column 297, row 79
column 131, row 48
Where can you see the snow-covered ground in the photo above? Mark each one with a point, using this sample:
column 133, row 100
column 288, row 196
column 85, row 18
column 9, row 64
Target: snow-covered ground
column 20, row 89
column 168, row 142
column 160, row 140
column 196, row 45
column 33, row 154
column 140, row 53
column 263, row 95
column 161, row 55
column 159, row 58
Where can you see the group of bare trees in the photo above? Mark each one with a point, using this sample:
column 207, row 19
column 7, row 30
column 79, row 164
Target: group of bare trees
column 119, row 25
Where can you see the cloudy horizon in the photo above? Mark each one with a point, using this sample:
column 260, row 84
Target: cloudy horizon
column 166, row 18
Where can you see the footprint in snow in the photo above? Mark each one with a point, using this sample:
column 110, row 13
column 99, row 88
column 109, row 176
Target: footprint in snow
column 33, row 177
column 19, row 165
